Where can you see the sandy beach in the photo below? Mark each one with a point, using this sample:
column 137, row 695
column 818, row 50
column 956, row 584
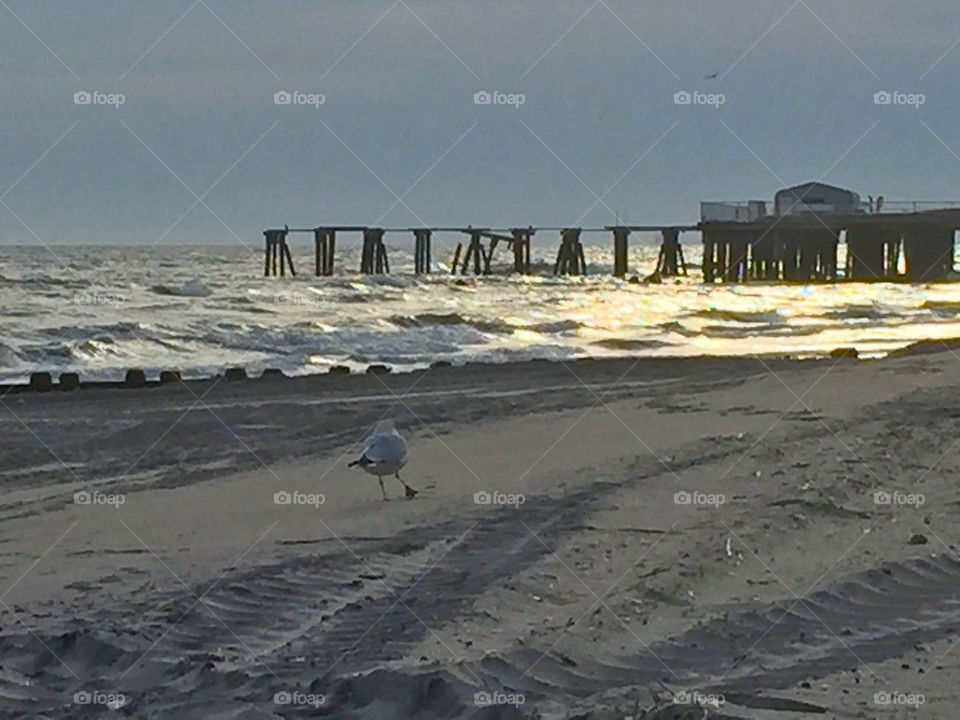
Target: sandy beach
column 599, row 539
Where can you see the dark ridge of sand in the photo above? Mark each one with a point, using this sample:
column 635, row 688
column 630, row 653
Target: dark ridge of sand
column 596, row 597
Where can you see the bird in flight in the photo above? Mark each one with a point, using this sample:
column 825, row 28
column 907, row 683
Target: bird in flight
column 384, row 453
column 712, row 77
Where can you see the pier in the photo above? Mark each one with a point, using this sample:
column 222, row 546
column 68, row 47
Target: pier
column 901, row 248
column 908, row 241
column 475, row 253
column 911, row 247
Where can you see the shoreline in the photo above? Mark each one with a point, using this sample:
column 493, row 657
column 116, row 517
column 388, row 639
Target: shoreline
column 138, row 378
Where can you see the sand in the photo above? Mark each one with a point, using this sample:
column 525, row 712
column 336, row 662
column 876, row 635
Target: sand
column 586, row 588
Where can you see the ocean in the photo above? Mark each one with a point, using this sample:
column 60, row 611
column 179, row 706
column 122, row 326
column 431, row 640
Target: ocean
column 101, row 310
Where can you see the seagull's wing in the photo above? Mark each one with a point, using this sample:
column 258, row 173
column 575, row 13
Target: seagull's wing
column 385, row 449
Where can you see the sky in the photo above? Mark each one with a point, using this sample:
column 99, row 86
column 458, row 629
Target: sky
column 183, row 140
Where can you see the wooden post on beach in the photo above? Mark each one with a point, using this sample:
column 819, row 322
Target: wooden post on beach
column 621, row 249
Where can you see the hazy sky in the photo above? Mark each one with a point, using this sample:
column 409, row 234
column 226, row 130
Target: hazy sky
column 200, row 153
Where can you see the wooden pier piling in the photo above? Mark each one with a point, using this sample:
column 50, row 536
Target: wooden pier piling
column 476, row 255
column 373, row 258
column 928, row 251
column 277, row 253
column 570, row 260
column 268, row 240
column 808, row 254
column 709, row 251
column 320, row 252
column 621, row 250
column 421, row 251
column 324, row 246
column 670, row 262
column 521, row 249
column 869, row 252
column 456, row 259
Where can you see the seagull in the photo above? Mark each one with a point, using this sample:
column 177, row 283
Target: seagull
column 384, row 453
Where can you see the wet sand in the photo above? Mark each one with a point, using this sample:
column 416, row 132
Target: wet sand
column 657, row 532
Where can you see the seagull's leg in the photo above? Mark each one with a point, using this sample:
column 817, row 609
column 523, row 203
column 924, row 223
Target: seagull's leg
column 410, row 492
column 383, row 492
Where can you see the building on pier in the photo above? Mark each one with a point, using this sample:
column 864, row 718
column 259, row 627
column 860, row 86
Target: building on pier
column 816, row 198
